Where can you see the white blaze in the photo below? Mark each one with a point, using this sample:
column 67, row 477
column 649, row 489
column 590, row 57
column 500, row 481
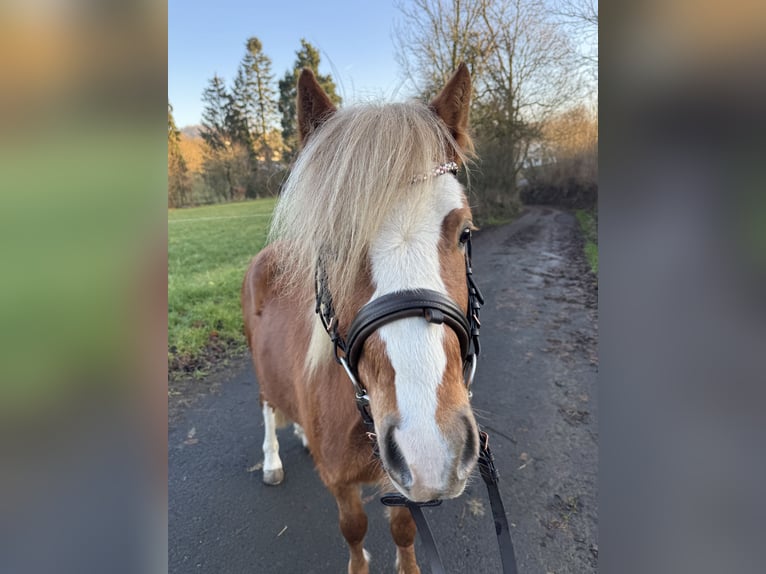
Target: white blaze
column 406, row 256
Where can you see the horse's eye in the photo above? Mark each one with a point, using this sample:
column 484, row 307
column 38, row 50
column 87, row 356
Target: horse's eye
column 465, row 235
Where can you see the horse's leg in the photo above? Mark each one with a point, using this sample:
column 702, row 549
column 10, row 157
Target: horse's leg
column 273, row 473
column 301, row 434
column 353, row 525
column 403, row 532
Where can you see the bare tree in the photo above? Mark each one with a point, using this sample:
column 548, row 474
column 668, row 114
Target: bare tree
column 433, row 37
column 570, row 148
column 580, row 18
column 529, row 72
column 523, row 69
column 579, row 12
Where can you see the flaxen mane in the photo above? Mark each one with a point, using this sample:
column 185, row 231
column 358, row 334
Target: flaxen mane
column 345, row 183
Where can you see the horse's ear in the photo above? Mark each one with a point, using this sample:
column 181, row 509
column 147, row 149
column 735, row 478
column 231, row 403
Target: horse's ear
column 453, row 104
column 314, row 106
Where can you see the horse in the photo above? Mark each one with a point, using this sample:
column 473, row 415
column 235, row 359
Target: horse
column 371, row 209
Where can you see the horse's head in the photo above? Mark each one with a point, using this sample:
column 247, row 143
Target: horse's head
column 386, row 219
column 413, row 369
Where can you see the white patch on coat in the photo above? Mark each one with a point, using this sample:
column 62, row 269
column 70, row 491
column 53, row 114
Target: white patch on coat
column 271, row 460
column 320, row 348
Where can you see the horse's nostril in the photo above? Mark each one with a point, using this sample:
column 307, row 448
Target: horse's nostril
column 395, row 460
column 470, row 451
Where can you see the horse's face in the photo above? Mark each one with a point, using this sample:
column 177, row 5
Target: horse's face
column 412, row 369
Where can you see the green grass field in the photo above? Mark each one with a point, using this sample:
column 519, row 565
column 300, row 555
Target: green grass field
column 209, row 249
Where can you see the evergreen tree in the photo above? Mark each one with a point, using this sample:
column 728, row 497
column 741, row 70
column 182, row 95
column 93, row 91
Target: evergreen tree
column 226, row 169
column 179, row 186
column 239, row 128
column 306, row 57
column 237, row 123
column 216, row 115
column 256, row 95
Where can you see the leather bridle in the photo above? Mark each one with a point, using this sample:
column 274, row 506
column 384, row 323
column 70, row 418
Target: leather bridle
column 436, row 308
column 433, row 306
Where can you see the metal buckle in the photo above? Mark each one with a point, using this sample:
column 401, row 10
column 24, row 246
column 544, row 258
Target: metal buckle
column 361, row 393
column 471, row 374
column 362, row 400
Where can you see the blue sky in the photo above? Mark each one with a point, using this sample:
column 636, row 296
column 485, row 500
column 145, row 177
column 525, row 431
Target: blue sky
column 354, row 38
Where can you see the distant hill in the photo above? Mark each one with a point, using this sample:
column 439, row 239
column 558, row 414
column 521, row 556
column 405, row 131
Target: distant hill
column 191, row 131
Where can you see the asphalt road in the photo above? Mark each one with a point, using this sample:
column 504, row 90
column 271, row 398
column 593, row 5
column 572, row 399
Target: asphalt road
column 535, row 394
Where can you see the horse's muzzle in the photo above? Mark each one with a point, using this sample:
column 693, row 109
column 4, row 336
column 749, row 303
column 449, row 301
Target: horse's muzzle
column 427, row 465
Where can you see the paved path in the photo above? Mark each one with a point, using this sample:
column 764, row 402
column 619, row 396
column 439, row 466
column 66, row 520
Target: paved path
column 535, row 393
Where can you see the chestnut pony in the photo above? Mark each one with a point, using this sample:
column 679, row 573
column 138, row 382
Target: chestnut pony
column 371, row 199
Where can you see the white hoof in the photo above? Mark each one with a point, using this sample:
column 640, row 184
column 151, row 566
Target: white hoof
column 274, row 477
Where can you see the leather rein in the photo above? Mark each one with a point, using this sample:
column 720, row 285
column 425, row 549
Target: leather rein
column 436, row 308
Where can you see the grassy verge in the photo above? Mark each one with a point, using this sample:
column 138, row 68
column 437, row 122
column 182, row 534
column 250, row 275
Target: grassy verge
column 589, row 225
column 209, row 249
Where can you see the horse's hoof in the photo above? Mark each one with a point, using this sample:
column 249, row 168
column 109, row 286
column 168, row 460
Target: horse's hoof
column 274, row 477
